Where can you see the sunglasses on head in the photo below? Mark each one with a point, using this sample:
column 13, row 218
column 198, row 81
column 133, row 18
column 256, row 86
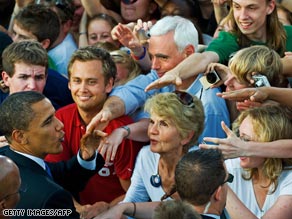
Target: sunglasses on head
column 129, row 2
column 185, row 98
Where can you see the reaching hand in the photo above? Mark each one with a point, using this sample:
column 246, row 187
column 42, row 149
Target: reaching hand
column 90, row 211
column 231, row 147
column 89, row 143
column 168, row 78
column 99, row 121
column 109, row 147
column 254, row 94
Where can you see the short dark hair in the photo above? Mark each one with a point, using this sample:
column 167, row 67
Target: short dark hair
column 27, row 51
column 16, row 111
column 40, row 20
column 198, row 174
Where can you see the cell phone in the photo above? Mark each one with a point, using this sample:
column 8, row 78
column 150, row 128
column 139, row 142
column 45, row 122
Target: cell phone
column 208, row 80
column 261, row 81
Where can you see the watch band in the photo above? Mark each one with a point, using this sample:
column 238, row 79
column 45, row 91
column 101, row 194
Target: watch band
column 127, row 129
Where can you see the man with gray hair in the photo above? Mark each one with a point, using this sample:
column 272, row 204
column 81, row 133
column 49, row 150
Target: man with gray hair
column 173, row 38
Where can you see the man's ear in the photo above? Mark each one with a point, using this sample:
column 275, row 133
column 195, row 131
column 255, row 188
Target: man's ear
column 109, row 86
column 46, row 43
column 218, row 193
column 19, row 137
column 5, row 78
column 2, row 205
column 189, row 50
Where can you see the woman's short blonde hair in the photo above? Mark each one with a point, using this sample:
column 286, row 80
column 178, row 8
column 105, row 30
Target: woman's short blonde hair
column 187, row 118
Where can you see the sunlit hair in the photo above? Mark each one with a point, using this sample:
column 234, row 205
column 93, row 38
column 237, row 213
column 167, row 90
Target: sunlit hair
column 270, row 123
column 91, row 53
column 276, row 35
column 286, row 11
column 185, row 32
column 27, row 51
column 123, row 58
column 259, row 59
column 185, row 118
column 175, row 209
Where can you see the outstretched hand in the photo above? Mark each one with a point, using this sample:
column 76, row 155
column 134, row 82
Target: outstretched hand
column 254, row 94
column 231, row 147
column 89, row 143
column 167, row 79
column 99, row 121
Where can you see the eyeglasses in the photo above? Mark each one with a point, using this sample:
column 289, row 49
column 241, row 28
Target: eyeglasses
column 129, row 2
column 185, row 98
column 229, row 180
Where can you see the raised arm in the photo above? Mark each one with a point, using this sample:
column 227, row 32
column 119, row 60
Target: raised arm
column 93, row 7
column 232, row 146
column 192, row 65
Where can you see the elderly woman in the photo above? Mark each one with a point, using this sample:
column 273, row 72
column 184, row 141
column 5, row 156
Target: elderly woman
column 176, row 121
column 263, row 185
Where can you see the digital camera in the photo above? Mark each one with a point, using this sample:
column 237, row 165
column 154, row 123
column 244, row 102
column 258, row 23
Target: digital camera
column 260, row 80
column 208, row 80
column 143, row 35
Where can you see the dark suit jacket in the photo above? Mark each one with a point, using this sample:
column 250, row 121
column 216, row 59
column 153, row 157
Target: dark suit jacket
column 42, row 192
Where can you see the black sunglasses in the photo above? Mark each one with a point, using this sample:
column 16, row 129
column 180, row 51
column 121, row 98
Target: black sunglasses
column 185, row 98
column 229, row 180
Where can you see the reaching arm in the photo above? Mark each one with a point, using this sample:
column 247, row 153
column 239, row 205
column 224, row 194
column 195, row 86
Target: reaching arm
column 232, row 146
column 142, row 210
column 138, row 132
column 113, row 108
column 261, row 94
column 192, row 65
column 93, row 7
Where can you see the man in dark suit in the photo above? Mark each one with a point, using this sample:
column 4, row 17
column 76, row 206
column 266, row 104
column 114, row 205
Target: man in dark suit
column 29, row 124
column 201, row 178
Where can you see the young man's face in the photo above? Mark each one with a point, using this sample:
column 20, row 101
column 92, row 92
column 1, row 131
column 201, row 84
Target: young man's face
column 87, row 85
column 26, row 77
column 251, row 17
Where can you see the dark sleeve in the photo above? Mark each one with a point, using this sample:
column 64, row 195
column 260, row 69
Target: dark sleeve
column 61, row 204
column 71, row 176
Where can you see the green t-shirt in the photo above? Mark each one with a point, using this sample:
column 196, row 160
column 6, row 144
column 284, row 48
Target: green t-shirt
column 226, row 44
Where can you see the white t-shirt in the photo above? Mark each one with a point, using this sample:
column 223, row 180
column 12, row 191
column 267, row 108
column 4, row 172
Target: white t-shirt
column 244, row 188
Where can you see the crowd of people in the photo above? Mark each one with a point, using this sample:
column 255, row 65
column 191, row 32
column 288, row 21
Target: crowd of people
column 161, row 109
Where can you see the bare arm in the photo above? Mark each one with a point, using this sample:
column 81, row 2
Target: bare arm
column 138, row 132
column 232, row 146
column 220, row 9
column 261, row 94
column 192, row 65
column 143, row 210
column 113, row 108
column 287, row 65
column 93, row 7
